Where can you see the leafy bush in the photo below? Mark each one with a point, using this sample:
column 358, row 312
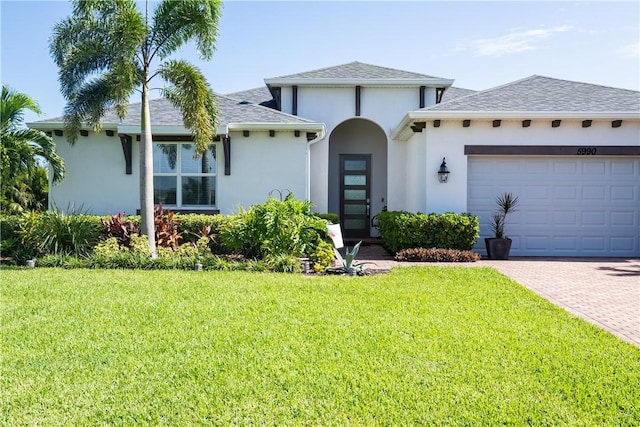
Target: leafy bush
column 276, row 227
column 331, row 218
column 322, row 256
column 194, row 226
column 436, row 255
column 283, row 263
column 120, row 228
column 55, row 232
column 166, row 227
column 62, row 261
column 403, row 230
column 12, row 250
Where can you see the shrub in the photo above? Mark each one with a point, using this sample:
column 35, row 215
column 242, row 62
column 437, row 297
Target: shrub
column 166, row 227
column 276, row 227
column 12, row 250
column 403, row 230
column 436, row 255
column 283, row 263
column 331, row 218
column 62, row 261
column 194, row 226
column 55, row 232
column 120, row 228
column 322, row 256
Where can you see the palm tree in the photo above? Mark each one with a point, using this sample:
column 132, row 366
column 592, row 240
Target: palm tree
column 21, row 153
column 107, row 49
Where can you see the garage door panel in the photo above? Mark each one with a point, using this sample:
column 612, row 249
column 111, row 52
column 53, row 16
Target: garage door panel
column 565, row 192
column 565, row 168
column 621, row 168
column 624, row 219
column 594, row 168
column 594, row 218
column 565, row 218
column 533, row 217
column 623, row 192
column 568, row 206
column 594, row 192
column 539, row 192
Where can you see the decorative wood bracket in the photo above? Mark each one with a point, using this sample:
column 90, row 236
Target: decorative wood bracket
column 226, row 147
column 294, row 100
column 418, row 126
column 127, row 144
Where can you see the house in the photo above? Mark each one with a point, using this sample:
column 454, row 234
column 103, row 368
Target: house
column 357, row 138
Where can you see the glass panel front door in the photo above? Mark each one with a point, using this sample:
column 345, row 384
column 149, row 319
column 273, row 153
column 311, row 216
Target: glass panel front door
column 355, row 194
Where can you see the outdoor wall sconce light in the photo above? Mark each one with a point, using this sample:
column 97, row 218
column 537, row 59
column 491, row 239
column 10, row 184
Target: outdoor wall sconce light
column 443, row 173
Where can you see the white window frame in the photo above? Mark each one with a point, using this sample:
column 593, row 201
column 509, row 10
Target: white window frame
column 178, row 174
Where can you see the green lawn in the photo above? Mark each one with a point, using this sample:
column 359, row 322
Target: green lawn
column 455, row 346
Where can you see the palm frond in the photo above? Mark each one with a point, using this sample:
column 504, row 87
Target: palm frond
column 12, row 106
column 177, row 22
column 190, row 93
column 96, row 52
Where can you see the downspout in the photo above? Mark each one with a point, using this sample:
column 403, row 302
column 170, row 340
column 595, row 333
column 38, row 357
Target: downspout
column 321, row 135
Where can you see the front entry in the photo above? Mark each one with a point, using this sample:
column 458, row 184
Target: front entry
column 355, row 194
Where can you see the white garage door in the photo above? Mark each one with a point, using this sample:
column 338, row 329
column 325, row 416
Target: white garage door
column 568, row 206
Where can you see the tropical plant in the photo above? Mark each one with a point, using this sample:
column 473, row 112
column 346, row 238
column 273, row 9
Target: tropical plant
column 347, row 265
column 107, row 49
column 120, row 228
column 506, row 203
column 24, row 182
column 55, row 232
column 275, row 227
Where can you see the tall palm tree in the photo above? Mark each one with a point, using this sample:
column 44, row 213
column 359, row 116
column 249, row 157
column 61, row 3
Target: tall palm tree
column 107, row 49
column 21, row 152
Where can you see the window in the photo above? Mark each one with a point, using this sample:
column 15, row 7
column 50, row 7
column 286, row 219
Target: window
column 180, row 180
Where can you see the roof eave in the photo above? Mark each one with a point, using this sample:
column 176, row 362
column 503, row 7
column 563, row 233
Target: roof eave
column 433, row 82
column 403, row 131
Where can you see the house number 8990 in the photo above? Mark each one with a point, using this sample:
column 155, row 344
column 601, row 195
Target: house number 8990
column 586, row 151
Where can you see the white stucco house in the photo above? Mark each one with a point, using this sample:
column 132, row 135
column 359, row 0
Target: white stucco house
column 357, row 138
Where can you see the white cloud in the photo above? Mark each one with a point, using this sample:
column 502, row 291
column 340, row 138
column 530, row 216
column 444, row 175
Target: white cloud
column 629, row 51
column 514, row 42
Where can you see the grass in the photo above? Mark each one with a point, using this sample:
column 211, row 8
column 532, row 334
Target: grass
column 455, row 346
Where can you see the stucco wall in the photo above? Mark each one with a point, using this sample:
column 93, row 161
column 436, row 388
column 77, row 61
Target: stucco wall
column 385, row 106
column 260, row 164
column 95, row 179
column 450, row 138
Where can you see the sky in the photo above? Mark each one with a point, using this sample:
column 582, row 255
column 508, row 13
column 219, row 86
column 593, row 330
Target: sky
column 479, row 44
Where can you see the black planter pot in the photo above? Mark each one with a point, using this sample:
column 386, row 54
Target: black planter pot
column 497, row 248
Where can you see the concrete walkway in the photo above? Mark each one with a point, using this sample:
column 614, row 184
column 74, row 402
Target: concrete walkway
column 603, row 291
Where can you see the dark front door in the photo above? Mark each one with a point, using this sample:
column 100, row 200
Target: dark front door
column 355, row 194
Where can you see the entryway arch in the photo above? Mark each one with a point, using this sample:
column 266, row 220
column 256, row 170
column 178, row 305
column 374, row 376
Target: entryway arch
column 357, row 175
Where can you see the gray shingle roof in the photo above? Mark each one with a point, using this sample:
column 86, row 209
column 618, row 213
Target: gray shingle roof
column 452, row 93
column 259, row 95
column 230, row 110
column 539, row 93
column 357, row 70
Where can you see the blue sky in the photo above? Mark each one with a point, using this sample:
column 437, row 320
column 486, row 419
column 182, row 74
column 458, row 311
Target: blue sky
column 479, row 44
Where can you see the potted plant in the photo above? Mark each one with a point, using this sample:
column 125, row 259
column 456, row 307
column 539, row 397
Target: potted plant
column 498, row 247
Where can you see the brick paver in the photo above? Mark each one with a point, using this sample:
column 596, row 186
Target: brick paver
column 603, row 291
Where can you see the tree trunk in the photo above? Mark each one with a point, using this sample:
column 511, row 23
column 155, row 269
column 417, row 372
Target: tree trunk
column 147, row 225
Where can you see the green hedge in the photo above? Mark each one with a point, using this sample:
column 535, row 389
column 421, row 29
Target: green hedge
column 404, row 230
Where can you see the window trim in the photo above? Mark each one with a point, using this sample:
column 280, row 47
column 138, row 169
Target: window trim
column 178, row 174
